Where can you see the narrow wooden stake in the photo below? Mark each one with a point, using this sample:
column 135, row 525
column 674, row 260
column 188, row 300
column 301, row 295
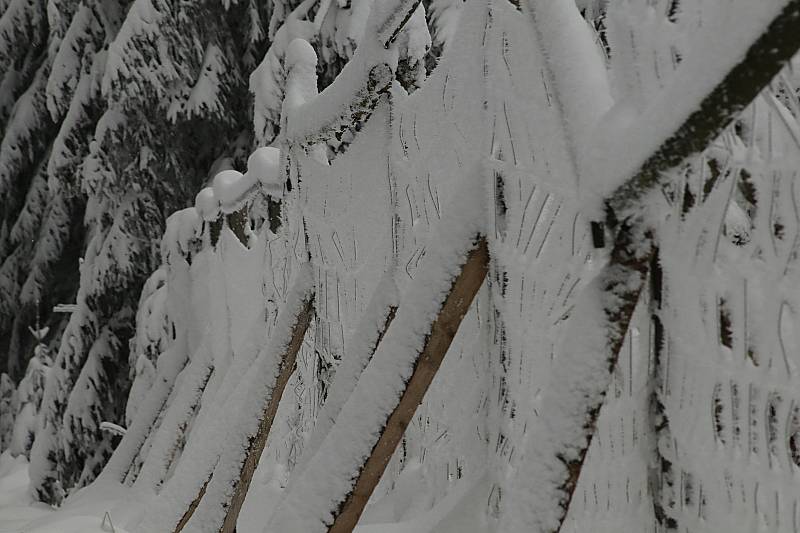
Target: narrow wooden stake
column 259, row 440
column 429, row 359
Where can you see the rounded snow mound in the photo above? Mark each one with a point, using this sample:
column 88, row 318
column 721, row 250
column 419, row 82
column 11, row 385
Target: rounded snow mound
column 207, row 204
column 182, row 227
column 231, row 187
column 300, row 52
column 264, row 165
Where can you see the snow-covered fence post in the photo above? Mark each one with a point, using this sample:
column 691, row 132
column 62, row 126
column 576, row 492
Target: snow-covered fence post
column 571, row 405
column 212, row 498
column 259, row 441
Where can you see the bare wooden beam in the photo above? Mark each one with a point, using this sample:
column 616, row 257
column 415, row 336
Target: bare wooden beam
column 429, row 359
column 741, row 85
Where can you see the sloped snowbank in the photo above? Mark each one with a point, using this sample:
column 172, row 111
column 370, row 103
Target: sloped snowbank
column 85, row 510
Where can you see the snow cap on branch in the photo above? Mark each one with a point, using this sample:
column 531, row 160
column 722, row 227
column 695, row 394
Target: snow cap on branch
column 264, row 165
column 301, row 82
column 207, row 204
column 182, row 227
column 231, row 187
column 300, row 53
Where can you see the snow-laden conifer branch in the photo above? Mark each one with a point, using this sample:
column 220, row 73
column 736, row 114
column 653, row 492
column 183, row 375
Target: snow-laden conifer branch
column 355, row 92
column 336, row 110
column 397, row 19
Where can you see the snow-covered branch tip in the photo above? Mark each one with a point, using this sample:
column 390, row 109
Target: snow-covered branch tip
column 351, row 115
column 352, row 97
column 765, row 57
column 110, row 427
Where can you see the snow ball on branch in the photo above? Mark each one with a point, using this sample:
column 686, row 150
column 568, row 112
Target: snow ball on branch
column 264, row 165
column 300, row 53
column 207, row 204
column 231, row 187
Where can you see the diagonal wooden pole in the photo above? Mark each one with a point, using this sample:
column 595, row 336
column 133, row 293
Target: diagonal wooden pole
column 259, row 440
column 428, row 360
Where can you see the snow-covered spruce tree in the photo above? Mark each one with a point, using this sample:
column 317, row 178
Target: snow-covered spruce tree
column 23, row 193
column 23, row 37
column 43, row 214
column 172, row 87
column 29, row 396
column 7, row 409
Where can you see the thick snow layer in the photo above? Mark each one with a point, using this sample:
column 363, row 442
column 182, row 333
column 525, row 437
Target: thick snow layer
column 86, row 512
column 494, row 142
column 300, row 53
column 577, row 71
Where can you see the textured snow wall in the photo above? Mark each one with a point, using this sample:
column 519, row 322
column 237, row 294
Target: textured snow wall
column 701, row 425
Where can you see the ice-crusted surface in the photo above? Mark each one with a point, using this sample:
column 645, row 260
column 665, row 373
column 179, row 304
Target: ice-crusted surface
column 576, row 70
column 711, row 52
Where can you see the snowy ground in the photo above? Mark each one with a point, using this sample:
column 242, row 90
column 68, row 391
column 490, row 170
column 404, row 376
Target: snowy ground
column 84, row 511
